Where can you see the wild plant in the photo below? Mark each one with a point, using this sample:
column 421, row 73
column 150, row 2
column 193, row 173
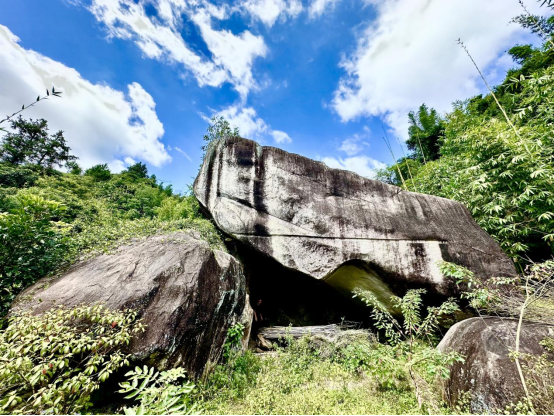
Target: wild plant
column 52, row 363
column 159, row 393
column 409, row 351
column 524, row 296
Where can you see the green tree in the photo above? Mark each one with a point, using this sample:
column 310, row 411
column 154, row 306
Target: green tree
column 426, row 133
column 74, row 168
column 137, row 171
column 99, row 172
column 31, row 143
column 218, row 128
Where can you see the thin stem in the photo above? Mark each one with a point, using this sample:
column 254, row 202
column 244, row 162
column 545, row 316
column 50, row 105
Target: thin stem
column 538, row 24
column 421, row 150
column 494, row 95
column 518, row 337
column 406, row 160
column 23, row 109
column 387, row 142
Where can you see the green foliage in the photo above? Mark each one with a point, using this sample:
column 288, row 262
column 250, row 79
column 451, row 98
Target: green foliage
column 99, row 172
column 31, row 244
column 31, row 143
column 503, row 176
column 159, row 393
column 177, row 208
column 219, row 128
column 13, row 176
column 426, row 133
column 74, row 168
column 137, row 171
column 506, row 296
column 407, row 166
column 305, row 377
column 233, row 342
column 53, row 362
column 501, row 171
column 408, row 353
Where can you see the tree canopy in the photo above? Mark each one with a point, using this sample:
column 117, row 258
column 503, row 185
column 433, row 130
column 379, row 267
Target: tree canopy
column 31, row 143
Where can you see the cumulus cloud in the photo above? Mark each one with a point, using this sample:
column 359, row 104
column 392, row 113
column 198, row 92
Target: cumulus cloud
column 101, row 124
column 361, row 164
column 269, row 11
column 159, row 37
column 250, row 125
column 246, row 119
column 318, row 7
column 353, row 145
column 281, row 137
column 408, row 56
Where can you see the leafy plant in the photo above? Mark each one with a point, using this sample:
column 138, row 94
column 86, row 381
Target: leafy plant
column 234, row 337
column 99, row 172
column 408, row 352
column 52, row 363
column 159, row 393
column 32, row 244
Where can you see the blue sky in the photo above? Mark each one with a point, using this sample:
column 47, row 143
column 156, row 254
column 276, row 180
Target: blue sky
column 316, row 77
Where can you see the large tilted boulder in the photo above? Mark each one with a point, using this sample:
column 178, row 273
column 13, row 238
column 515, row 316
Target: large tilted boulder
column 489, row 378
column 187, row 294
column 338, row 226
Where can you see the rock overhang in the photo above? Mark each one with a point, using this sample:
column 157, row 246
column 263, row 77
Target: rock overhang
column 314, row 219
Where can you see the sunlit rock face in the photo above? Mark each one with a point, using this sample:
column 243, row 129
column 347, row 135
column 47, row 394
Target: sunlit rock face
column 186, row 293
column 487, row 380
column 319, row 221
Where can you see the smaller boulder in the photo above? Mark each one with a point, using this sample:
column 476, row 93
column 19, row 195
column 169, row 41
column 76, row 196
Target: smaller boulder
column 186, row 293
column 489, row 378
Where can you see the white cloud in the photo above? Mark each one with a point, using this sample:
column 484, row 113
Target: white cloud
column 234, row 53
column 281, row 137
column 101, row 124
column 159, row 37
column 318, row 7
column 408, row 56
column 183, row 153
column 246, row 119
column 353, row 145
column 268, row 11
column 250, row 125
column 361, row 164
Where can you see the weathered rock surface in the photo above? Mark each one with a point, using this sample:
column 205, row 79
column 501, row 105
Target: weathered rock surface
column 186, row 293
column 488, row 374
column 338, row 226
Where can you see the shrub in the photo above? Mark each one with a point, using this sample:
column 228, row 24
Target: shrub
column 175, row 208
column 31, row 245
column 53, row 362
column 99, row 172
column 410, row 352
column 165, row 393
column 13, row 176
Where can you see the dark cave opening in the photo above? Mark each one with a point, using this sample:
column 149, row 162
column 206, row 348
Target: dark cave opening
column 289, row 297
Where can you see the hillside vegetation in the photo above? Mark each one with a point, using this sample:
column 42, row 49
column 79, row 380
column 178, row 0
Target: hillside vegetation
column 493, row 153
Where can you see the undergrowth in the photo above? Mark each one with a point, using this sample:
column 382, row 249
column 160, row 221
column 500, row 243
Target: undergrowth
column 309, row 376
